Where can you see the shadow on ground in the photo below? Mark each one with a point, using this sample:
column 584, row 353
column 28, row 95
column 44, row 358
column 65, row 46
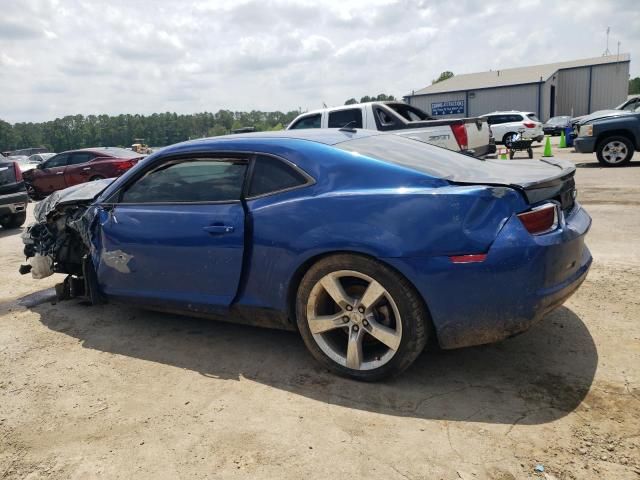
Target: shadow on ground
column 599, row 165
column 537, row 377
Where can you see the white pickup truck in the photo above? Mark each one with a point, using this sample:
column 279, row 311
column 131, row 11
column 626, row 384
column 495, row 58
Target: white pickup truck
column 470, row 136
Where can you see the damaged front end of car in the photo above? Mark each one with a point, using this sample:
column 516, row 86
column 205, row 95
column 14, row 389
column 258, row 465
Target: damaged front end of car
column 59, row 241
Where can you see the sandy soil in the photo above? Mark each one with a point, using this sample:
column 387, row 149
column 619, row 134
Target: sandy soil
column 116, row 392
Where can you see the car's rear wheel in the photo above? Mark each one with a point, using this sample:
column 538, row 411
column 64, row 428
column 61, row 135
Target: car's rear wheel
column 615, row 151
column 508, row 139
column 360, row 318
column 14, row 221
column 96, row 177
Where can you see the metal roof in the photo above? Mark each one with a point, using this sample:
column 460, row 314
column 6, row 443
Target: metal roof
column 514, row 76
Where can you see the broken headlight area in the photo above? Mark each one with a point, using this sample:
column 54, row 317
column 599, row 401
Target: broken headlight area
column 60, row 241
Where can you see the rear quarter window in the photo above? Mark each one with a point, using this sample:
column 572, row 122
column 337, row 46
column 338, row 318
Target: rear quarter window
column 310, row 121
column 271, row 175
column 532, row 116
column 340, row 118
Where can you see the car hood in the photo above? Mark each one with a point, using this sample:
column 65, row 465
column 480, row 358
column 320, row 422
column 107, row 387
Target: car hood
column 81, row 193
column 601, row 114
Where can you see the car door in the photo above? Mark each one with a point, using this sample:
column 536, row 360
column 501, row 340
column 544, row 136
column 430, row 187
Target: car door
column 175, row 235
column 50, row 177
column 79, row 168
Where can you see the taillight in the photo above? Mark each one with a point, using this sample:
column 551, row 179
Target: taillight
column 17, row 171
column 460, row 132
column 540, row 220
column 124, row 165
column 529, row 125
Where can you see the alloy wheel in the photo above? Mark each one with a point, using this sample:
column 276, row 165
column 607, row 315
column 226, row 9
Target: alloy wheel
column 614, row 152
column 354, row 320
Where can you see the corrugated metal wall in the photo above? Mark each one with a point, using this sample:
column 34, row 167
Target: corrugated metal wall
column 572, row 92
column 518, row 97
column 609, row 87
column 423, row 102
column 609, row 84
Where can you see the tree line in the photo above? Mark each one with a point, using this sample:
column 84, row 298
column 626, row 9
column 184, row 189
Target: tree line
column 158, row 129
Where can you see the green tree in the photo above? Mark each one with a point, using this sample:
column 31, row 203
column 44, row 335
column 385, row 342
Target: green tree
column 351, row 101
column 634, row 86
column 443, row 76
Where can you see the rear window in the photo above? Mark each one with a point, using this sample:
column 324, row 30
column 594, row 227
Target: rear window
column 532, row 116
column 351, row 117
column 413, row 154
column 116, row 152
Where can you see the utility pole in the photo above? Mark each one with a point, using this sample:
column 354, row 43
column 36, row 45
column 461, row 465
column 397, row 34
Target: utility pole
column 607, row 52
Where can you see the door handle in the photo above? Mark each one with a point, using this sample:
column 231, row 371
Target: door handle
column 59, row 173
column 86, row 168
column 214, row 229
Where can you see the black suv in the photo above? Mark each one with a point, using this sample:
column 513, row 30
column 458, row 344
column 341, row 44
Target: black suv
column 13, row 195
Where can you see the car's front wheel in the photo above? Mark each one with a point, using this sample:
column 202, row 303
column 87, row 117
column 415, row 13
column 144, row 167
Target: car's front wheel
column 14, row 221
column 360, row 318
column 615, row 151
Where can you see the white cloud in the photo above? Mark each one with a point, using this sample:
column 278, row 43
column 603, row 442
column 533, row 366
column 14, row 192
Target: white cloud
column 92, row 57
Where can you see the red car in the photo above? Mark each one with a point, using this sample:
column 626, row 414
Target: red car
column 78, row 166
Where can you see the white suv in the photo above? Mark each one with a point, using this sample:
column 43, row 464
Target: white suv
column 505, row 125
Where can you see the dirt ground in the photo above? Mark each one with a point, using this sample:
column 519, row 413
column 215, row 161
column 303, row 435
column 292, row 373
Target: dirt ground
column 117, row 392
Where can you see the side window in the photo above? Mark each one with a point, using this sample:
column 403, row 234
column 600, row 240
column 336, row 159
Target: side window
column 312, row 121
column 341, row 118
column 491, row 120
column 384, row 119
column 80, row 157
column 272, row 175
column 632, row 105
column 57, row 161
column 193, row 180
column 516, row 118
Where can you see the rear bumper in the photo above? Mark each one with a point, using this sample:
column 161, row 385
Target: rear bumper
column 523, row 278
column 584, row 144
column 13, row 203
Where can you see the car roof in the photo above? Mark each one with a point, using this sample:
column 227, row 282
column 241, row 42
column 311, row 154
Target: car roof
column 352, row 105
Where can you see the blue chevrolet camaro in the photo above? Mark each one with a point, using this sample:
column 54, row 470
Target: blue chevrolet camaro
column 368, row 244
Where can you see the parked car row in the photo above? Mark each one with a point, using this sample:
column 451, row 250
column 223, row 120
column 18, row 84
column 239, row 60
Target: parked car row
column 78, row 166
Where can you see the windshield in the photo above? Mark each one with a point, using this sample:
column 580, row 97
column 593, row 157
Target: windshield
column 558, row 120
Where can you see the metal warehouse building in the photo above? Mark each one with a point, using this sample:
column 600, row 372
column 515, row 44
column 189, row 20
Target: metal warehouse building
column 565, row 88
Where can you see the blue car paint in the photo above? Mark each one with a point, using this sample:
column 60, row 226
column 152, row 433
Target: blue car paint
column 173, row 255
column 408, row 219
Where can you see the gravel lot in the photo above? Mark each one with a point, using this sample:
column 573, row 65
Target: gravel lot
column 117, row 392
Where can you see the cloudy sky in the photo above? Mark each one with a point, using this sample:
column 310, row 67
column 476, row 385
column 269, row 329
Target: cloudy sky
column 60, row 57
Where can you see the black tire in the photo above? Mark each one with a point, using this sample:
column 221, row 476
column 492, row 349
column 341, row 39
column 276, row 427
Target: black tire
column 14, row 221
column 507, row 139
column 512, row 154
column 530, row 152
column 96, row 177
column 601, row 150
column 415, row 319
